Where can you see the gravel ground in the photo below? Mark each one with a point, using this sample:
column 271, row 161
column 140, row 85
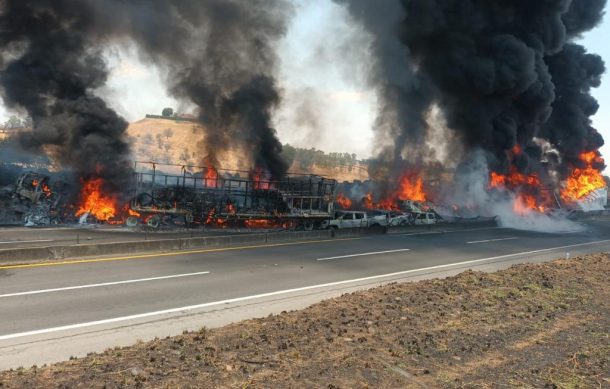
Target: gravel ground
column 541, row 326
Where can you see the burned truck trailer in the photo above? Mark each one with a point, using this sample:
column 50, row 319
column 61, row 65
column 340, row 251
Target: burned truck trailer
column 192, row 195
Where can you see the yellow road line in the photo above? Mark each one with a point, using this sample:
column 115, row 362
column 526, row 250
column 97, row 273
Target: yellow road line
column 175, row 253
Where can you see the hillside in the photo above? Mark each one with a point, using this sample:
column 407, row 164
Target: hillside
column 170, row 141
column 542, row 326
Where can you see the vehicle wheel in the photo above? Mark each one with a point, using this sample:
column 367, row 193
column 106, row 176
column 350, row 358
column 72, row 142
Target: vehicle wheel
column 154, row 222
column 308, row 226
column 333, row 228
column 131, row 221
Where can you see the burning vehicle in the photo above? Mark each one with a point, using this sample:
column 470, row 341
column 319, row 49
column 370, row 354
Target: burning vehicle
column 206, row 196
column 489, row 112
column 31, row 201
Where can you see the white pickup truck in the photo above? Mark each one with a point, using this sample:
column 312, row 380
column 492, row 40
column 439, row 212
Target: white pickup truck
column 355, row 219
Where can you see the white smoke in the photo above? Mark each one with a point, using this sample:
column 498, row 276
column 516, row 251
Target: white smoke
column 470, row 191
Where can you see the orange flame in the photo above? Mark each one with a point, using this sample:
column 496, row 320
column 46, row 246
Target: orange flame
column 260, row 223
column 343, row 201
column 411, row 187
column 210, row 177
column 367, row 201
column 131, row 212
column 259, row 180
column 102, row 206
column 43, row 186
column 524, row 202
column 585, row 180
column 513, row 179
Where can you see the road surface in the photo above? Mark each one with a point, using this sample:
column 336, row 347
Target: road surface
column 53, row 310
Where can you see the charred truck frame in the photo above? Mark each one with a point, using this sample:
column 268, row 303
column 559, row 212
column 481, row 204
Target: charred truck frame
column 195, row 195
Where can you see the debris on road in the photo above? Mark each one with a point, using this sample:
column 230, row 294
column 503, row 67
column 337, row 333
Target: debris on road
column 30, row 201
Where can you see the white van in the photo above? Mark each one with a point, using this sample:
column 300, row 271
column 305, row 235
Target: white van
column 354, row 219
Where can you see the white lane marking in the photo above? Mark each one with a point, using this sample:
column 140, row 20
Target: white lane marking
column 362, row 254
column 447, row 232
column 418, row 233
column 102, row 284
column 26, row 241
column 491, row 240
column 271, row 294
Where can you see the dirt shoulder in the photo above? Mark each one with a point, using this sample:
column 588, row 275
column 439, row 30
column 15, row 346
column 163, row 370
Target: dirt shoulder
column 528, row 326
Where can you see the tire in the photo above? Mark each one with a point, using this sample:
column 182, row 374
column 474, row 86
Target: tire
column 154, row 222
column 131, row 221
column 308, row 226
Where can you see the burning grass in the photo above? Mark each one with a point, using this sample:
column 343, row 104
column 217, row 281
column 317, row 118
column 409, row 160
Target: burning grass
column 528, row 326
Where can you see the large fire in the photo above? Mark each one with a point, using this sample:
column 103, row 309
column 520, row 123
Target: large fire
column 343, row 201
column 527, row 189
column 526, row 203
column 411, row 187
column 513, row 179
column 95, row 202
column 585, row 180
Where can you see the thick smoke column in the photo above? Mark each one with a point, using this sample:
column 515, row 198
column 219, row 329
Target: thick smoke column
column 503, row 73
column 403, row 97
column 50, row 68
column 219, row 55
column 574, row 73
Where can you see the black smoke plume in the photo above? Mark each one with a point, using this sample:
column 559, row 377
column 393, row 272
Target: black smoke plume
column 574, row 73
column 220, row 56
column 50, row 68
column 503, row 73
column 403, row 96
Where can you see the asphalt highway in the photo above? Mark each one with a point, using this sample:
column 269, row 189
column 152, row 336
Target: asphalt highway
column 43, row 296
column 34, row 297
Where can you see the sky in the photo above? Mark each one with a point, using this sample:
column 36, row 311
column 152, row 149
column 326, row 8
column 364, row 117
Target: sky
column 326, row 103
column 596, row 41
